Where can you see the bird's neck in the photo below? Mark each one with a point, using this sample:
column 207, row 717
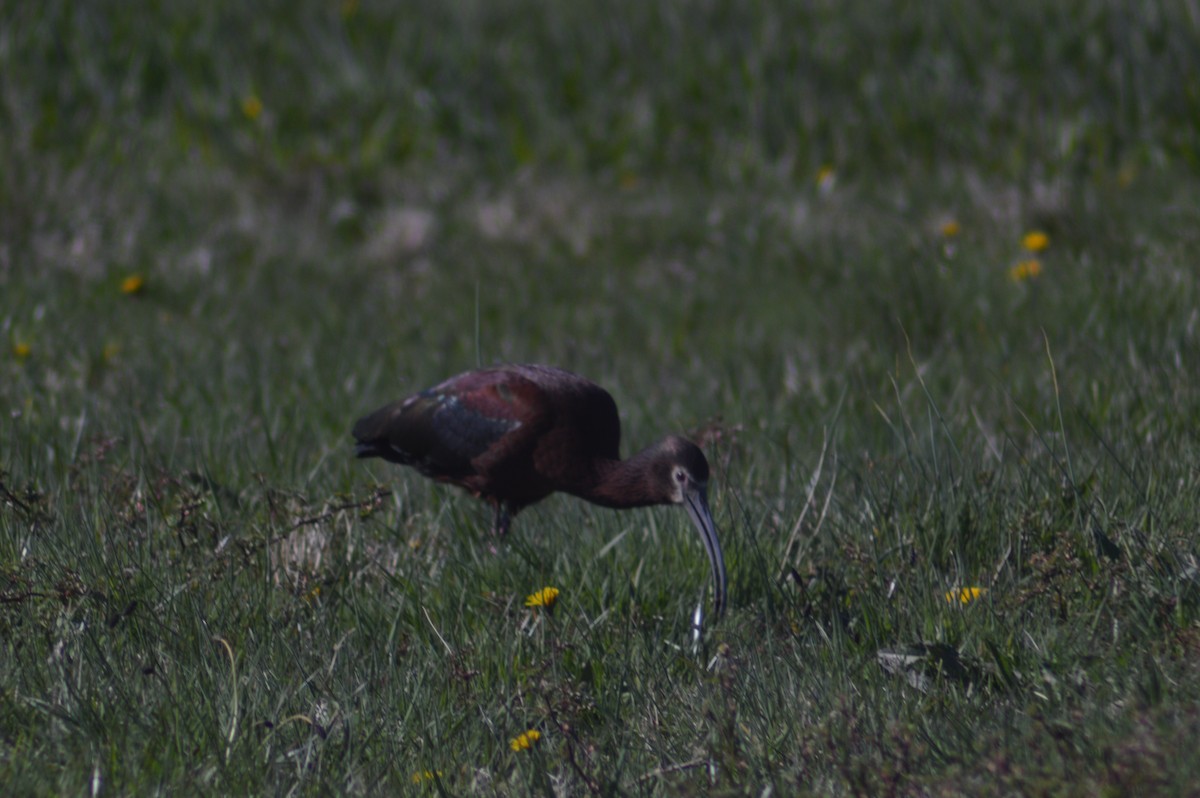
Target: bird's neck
column 625, row 483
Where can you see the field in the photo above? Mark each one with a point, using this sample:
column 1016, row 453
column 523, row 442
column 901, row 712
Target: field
column 920, row 278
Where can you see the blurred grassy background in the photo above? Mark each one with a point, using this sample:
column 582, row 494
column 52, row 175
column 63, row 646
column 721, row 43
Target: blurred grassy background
column 789, row 230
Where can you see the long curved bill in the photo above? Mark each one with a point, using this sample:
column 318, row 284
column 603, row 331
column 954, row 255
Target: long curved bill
column 696, row 503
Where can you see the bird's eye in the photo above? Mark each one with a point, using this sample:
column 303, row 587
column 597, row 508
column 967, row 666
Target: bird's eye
column 680, row 477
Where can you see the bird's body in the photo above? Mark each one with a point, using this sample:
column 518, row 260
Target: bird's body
column 512, row 435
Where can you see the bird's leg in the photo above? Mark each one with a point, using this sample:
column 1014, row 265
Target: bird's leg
column 503, row 520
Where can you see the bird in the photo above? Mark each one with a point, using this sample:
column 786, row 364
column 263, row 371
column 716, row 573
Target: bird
column 513, row 434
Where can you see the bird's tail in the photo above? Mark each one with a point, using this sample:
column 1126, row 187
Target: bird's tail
column 367, row 450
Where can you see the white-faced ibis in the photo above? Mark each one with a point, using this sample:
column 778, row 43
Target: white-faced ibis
column 513, row 435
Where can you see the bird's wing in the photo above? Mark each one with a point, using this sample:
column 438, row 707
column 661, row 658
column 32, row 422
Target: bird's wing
column 457, row 428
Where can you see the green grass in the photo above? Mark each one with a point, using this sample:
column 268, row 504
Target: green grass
column 202, row 591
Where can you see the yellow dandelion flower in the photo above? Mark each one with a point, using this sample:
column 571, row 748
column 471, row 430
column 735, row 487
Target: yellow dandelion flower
column 826, row 178
column 965, row 595
column 21, row 350
column 1025, row 270
column 133, row 284
column 252, row 107
column 1035, row 241
column 950, row 228
column 542, row 598
column 425, row 775
column 525, row 740
column 1126, row 175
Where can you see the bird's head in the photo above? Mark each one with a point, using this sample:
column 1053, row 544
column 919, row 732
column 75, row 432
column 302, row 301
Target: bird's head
column 682, row 467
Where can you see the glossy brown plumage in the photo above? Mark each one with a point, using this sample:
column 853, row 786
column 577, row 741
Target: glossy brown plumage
column 512, row 435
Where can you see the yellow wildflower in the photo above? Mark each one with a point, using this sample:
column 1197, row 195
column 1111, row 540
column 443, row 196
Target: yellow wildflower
column 826, row 177
column 525, row 740
column 950, row 228
column 965, row 595
column 1025, row 270
column 110, row 351
column 1035, row 241
column 21, row 350
column 542, row 598
column 252, row 107
column 1126, row 175
column 133, row 284
column 426, row 775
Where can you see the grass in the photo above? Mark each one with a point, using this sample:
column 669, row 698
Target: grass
column 331, row 205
